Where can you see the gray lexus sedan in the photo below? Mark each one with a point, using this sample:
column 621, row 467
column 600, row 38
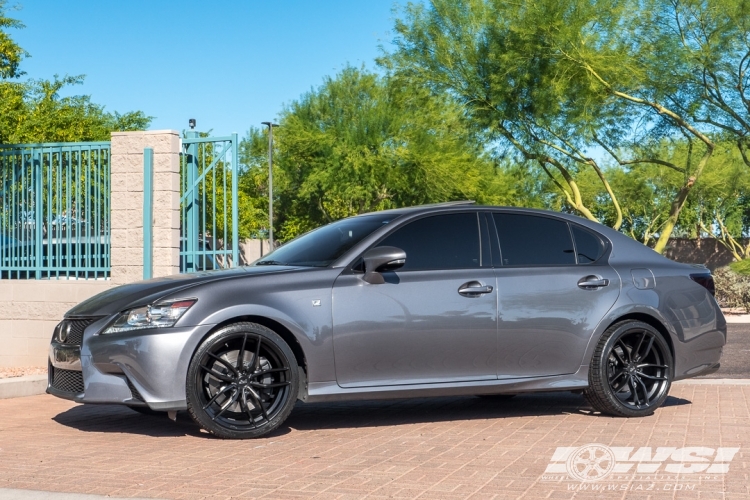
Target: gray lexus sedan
column 449, row 299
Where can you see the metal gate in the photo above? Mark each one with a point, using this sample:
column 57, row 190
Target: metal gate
column 55, row 210
column 208, row 203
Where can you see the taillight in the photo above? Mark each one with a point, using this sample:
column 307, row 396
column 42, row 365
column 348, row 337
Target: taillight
column 706, row 281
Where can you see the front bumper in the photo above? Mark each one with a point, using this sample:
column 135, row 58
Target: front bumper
column 143, row 368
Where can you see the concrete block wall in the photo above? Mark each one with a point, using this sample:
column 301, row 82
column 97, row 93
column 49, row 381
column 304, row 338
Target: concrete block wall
column 29, row 311
column 127, row 203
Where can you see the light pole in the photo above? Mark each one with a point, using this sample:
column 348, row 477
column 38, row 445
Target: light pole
column 270, row 126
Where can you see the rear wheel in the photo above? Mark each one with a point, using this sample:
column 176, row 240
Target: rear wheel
column 242, row 382
column 631, row 371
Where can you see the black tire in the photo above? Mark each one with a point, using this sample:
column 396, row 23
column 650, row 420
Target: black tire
column 631, row 371
column 247, row 399
column 145, row 410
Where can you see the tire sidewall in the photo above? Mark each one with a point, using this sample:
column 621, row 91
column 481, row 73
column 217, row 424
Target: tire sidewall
column 193, row 388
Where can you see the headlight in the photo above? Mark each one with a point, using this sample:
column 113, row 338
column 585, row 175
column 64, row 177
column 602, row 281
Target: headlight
column 163, row 314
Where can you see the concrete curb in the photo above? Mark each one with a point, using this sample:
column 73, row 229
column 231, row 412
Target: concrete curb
column 713, row 381
column 13, row 494
column 737, row 318
column 17, row 387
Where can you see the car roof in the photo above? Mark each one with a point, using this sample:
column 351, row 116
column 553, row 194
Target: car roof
column 452, row 205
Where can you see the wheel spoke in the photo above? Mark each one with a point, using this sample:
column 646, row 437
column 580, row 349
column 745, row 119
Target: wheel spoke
column 634, row 390
column 223, row 362
column 218, row 393
column 246, row 409
column 257, row 356
column 622, row 386
column 240, row 360
column 638, row 347
column 226, row 406
column 270, row 370
column 259, row 403
column 647, row 365
column 645, row 390
column 626, row 350
column 218, row 375
column 645, row 353
column 651, row 377
column 268, row 386
column 621, row 373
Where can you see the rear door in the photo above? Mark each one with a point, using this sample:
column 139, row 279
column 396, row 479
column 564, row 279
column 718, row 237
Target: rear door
column 554, row 286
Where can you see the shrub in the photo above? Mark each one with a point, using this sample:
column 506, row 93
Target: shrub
column 732, row 288
column 741, row 267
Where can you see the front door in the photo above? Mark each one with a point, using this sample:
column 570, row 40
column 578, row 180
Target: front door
column 421, row 325
column 554, row 286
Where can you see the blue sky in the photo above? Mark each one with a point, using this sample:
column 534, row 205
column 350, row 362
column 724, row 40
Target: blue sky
column 228, row 64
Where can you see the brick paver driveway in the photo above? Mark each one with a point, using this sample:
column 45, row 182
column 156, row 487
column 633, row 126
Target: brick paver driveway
column 431, row 448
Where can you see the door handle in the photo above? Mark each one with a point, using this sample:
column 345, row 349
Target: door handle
column 474, row 289
column 592, row 282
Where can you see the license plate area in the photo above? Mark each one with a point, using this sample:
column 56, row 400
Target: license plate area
column 65, row 357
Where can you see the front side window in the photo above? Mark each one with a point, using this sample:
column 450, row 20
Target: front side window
column 530, row 240
column 322, row 246
column 449, row 241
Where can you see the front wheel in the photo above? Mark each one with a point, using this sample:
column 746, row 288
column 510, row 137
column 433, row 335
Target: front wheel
column 631, row 371
column 242, row 382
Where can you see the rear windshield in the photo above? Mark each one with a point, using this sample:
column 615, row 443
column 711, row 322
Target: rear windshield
column 321, row 247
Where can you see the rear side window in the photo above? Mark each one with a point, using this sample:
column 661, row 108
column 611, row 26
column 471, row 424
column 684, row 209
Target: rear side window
column 530, row 240
column 588, row 246
column 448, row 241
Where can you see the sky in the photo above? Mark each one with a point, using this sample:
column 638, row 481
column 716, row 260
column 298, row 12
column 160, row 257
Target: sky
column 228, row 64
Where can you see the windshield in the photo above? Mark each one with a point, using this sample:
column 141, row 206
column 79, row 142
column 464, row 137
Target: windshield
column 322, row 246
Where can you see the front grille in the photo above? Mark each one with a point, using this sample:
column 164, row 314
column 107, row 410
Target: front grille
column 72, row 330
column 134, row 391
column 67, row 380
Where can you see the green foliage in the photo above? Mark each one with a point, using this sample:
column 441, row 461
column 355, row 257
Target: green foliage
column 741, row 267
column 555, row 79
column 363, row 142
column 10, row 53
column 33, row 111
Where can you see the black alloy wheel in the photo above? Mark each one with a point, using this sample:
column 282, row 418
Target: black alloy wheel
column 631, row 371
column 242, row 382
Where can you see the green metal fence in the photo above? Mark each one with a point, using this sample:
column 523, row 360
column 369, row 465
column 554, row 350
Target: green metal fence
column 208, row 202
column 55, row 220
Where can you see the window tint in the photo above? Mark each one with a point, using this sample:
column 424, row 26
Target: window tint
column 322, row 246
column 529, row 240
column 588, row 246
column 440, row 242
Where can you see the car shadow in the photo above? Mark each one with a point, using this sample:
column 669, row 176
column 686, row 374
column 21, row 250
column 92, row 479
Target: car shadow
column 350, row 414
column 416, row 411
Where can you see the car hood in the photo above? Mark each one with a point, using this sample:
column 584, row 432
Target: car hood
column 146, row 292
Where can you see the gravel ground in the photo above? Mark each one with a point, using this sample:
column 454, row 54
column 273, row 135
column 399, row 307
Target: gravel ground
column 24, row 370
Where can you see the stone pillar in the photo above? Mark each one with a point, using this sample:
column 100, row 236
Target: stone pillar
column 127, row 203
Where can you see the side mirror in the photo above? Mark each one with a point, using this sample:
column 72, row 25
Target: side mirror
column 382, row 259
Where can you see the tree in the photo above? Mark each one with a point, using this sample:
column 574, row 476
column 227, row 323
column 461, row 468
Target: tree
column 33, row 111
column 555, row 79
column 363, row 142
column 10, row 53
